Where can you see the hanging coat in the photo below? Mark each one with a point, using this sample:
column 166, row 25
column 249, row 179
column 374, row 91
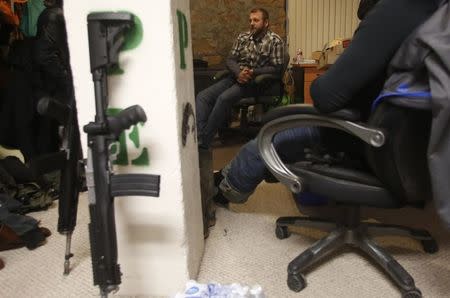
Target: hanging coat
column 420, row 70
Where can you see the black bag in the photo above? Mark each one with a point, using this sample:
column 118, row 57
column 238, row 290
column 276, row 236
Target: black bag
column 16, row 181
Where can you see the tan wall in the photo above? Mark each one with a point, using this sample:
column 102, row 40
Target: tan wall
column 312, row 23
column 215, row 24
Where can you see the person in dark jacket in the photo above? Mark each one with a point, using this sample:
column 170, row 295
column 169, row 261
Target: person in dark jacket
column 18, row 105
column 354, row 81
column 51, row 51
column 39, row 67
column 51, row 57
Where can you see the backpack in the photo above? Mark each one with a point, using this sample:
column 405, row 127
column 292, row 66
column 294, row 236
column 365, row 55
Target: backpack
column 30, row 195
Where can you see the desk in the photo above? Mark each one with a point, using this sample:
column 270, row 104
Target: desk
column 310, row 73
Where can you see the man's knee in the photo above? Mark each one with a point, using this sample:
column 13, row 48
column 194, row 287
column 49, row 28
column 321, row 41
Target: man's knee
column 227, row 99
column 202, row 97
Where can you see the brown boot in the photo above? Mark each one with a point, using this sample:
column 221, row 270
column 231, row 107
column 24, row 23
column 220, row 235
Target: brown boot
column 46, row 232
column 35, row 238
column 32, row 239
column 2, row 264
column 9, row 239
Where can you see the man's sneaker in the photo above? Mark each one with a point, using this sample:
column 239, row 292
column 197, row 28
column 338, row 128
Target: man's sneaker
column 219, row 199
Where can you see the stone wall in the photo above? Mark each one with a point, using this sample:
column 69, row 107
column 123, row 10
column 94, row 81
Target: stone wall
column 215, row 25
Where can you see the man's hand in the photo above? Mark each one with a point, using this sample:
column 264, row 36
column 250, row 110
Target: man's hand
column 245, row 75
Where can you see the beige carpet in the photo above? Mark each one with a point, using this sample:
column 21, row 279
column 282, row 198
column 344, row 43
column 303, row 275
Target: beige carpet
column 242, row 248
column 39, row 272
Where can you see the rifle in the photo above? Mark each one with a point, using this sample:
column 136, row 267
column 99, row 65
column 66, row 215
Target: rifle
column 106, row 37
column 69, row 161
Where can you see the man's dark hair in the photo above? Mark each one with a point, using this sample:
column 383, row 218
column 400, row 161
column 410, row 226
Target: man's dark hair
column 264, row 12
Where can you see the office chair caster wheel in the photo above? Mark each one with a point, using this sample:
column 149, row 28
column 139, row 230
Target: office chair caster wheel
column 296, row 282
column 415, row 293
column 282, row 232
column 430, row 246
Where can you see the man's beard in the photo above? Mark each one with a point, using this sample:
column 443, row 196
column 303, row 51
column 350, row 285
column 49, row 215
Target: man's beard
column 256, row 31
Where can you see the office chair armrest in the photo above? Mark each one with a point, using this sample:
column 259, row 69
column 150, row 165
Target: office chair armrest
column 264, row 78
column 296, row 109
column 221, row 74
column 371, row 136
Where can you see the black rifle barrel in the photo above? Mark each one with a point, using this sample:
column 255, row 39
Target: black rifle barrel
column 102, row 228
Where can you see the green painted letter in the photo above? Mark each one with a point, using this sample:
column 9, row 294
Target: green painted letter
column 183, row 36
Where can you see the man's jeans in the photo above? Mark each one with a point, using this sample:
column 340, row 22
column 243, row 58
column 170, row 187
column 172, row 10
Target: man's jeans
column 213, row 106
column 247, row 169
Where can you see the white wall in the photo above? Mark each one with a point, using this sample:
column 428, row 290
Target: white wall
column 160, row 240
column 312, row 23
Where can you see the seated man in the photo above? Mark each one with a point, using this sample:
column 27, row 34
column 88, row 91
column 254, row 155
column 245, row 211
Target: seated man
column 259, row 51
column 354, row 81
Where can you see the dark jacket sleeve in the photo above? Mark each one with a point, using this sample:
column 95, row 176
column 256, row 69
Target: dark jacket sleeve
column 269, row 69
column 233, row 66
column 364, row 7
column 49, row 60
column 365, row 60
column 51, row 48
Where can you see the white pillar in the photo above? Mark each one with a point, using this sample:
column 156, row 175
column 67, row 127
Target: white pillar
column 160, row 239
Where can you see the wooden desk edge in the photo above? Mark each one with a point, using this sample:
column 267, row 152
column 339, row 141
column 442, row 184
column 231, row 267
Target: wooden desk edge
column 310, row 65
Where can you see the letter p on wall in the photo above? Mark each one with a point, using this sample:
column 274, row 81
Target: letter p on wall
column 183, row 37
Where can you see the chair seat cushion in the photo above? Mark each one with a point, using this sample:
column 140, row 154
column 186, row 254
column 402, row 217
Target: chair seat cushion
column 343, row 185
column 299, row 109
column 338, row 172
column 248, row 101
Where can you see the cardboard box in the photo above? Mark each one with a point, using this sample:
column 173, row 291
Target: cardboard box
column 332, row 51
column 316, row 55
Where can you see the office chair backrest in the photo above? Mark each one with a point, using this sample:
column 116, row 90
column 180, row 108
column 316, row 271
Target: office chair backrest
column 286, row 61
column 278, row 89
column 401, row 164
column 275, row 88
column 283, row 70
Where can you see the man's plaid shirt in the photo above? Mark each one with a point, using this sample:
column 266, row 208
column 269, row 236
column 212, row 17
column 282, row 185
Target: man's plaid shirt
column 268, row 50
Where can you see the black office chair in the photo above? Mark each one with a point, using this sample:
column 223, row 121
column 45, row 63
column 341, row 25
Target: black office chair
column 272, row 95
column 396, row 136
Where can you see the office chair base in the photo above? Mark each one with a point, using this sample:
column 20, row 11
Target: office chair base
column 282, row 232
column 348, row 230
column 429, row 245
column 296, row 282
column 416, row 293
